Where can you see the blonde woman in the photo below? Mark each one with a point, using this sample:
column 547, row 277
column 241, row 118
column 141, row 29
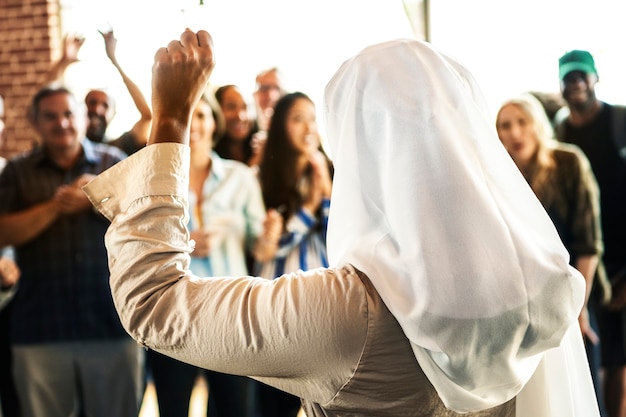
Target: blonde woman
column 561, row 177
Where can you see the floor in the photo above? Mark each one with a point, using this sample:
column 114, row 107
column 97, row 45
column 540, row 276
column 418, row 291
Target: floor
column 197, row 407
column 198, row 401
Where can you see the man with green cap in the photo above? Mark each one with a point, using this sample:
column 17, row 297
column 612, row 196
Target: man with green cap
column 599, row 129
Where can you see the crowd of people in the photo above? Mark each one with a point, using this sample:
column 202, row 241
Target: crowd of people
column 233, row 233
column 574, row 160
column 359, row 311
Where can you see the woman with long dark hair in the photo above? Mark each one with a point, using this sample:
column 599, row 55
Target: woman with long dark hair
column 295, row 176
column 296, row 181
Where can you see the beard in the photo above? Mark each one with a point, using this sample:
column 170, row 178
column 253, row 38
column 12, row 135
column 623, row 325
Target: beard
column 96, row 127
column 581, row 105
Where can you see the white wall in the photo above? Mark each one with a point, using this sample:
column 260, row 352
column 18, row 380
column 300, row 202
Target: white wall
column 308, row 40
column 510, row 46
column 514, row 46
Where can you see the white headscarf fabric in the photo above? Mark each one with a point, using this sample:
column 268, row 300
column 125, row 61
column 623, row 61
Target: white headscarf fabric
column 427, row 202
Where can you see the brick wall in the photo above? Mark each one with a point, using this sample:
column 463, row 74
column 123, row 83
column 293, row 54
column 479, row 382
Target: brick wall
column 30, row 36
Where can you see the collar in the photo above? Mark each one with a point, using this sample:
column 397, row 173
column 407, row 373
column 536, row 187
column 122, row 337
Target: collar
column 87, row 154
column 217, row 166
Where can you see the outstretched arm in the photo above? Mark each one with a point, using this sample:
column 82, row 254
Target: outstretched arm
column 141, row 129
column 71, row 45
column 232, row 325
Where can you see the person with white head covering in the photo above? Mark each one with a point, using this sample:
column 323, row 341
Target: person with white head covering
column 449, row 290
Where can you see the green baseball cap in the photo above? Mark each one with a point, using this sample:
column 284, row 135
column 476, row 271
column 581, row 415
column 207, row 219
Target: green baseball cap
column 577, row 60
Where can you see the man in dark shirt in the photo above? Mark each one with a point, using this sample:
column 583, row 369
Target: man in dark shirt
column 591, row 124
column 69, row 348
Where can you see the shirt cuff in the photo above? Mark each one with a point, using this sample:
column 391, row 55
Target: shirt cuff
column 158, row 169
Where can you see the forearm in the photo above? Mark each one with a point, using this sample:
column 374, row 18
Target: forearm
column 56, row 72
column 262, row 229
column 264, row 250
column 587, row 266
column 21, row 227
column 135, row 93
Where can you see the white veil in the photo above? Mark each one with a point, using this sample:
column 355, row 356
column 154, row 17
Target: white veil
column 427, row 202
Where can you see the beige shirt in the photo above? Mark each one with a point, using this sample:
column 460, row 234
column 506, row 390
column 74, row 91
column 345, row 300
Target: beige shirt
column 323, row 335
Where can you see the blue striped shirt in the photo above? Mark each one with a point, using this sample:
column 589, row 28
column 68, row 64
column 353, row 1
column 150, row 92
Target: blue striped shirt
column 301, row 247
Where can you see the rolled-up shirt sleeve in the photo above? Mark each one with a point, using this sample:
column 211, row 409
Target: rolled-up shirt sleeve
column 145, row 200
column 303, row 325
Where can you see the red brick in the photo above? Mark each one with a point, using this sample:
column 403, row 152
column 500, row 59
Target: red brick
column 28, row 30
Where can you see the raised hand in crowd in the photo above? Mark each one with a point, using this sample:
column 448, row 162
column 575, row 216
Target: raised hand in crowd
column 72, row 42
